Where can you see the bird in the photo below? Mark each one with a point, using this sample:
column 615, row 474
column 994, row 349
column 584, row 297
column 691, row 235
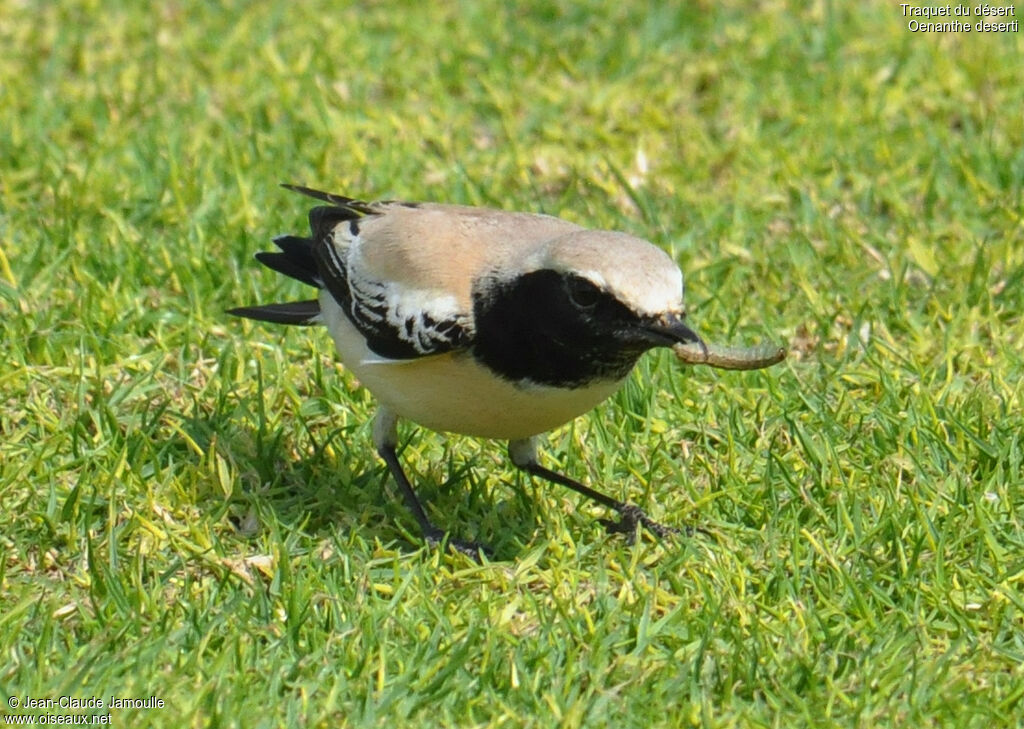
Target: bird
column 481, row 322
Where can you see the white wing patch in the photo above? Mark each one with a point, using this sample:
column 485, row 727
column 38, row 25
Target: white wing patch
column 397, row 322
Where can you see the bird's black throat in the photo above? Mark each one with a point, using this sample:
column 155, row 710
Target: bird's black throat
column 555, row 329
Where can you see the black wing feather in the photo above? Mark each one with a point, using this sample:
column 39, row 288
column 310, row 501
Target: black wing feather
column 359, row 206
column 323, row 219
column 321, row 261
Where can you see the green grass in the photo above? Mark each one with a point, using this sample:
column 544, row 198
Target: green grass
column 190, row 507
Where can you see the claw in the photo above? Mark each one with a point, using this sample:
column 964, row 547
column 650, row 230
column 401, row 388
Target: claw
column 473, row 550
column 632, row 517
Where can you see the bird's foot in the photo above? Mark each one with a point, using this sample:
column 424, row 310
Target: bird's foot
column 631, row 517
column 474, row 550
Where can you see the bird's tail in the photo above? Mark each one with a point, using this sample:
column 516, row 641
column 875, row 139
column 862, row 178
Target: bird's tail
column 295, row 259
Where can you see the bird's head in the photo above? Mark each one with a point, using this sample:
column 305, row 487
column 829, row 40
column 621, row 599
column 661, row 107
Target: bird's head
column 621, row 284
column 581, row 306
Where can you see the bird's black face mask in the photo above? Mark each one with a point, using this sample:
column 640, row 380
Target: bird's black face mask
column 558, row 329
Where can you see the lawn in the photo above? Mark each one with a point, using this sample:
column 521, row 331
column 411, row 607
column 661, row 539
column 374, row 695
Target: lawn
column 190, row 509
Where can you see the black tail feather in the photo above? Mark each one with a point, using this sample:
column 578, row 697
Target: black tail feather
column 289, row 266
column 300, row 313
column 299, row 248
column 298, row 260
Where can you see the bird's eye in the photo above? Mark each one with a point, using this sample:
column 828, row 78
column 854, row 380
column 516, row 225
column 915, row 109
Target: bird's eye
column 583, row 294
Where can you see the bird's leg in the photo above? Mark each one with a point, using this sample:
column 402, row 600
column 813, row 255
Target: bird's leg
column 385, row 438
column 524, row 455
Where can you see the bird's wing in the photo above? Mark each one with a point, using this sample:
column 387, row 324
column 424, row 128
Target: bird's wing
column 404, row 272
column 398, row 319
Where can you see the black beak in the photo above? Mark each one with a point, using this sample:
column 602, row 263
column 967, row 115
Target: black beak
column 668, row 330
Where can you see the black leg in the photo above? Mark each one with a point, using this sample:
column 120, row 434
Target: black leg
column 631, row 515
column 431, row 533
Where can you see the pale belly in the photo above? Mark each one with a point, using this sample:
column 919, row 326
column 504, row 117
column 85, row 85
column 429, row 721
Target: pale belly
column 451, row 392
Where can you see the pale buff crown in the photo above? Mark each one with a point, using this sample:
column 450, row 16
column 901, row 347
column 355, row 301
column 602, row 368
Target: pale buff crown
column 636, row 272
